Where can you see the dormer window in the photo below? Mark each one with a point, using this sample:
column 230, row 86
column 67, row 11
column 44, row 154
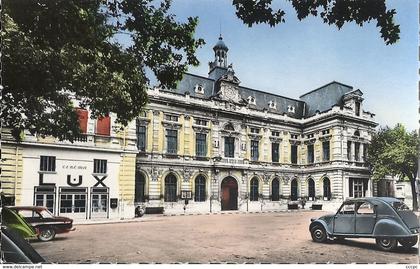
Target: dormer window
column 272, row 105
column 199, row 89
column 357, row 108
column 291, row 109
column 251, row 100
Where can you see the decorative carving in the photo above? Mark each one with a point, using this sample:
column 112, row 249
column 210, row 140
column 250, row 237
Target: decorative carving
column 275, row 139
column 187, row 174
column 201, row 129
column 310, row 141
column 171, row 125
column 255, row 136
column 155, row 173
column 156, row 112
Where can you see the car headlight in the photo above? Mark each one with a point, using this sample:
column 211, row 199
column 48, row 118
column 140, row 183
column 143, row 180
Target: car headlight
column 415, row 231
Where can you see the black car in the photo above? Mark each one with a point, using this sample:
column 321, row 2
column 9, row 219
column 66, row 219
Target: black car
column 44, row 222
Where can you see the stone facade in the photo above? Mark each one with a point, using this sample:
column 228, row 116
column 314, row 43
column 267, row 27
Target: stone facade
column 219, row 144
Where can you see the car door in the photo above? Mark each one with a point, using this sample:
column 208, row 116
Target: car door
column 365, row 218
column 344, row 220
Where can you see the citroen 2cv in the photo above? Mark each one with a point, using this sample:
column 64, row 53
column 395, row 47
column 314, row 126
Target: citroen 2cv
column 386, row 219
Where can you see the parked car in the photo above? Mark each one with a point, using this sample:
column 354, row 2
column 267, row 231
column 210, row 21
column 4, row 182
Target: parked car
column 386, row 219
column 11, row 219
column 44, row 222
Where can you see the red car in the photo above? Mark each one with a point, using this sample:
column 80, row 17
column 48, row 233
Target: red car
column 44, row 222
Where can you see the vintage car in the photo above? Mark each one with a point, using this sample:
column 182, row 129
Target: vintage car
column 386, row 219
column 44, row 222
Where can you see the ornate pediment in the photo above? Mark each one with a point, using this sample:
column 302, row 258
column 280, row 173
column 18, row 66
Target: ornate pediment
column 171, row 125
column 229, row 92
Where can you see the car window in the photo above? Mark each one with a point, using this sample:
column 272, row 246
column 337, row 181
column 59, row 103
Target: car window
column 400, row 206
column 27, row 213
column 46, row 214
column 347, row 209
column 365, row 208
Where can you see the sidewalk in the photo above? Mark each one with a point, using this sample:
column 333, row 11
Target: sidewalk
column 149, row 217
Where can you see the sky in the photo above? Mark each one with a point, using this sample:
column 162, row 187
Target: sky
column 298, row 56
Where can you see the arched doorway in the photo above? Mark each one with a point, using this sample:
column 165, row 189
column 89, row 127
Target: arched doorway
column 327, row 189
column 294, row 190
column 311, row 189
column 275, row 190
column 139, row 190
column 229, row 194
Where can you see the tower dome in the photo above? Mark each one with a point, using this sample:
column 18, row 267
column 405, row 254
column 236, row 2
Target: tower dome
column 220, row 45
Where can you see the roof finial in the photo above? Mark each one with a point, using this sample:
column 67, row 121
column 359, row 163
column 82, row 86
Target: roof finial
column 220, row 30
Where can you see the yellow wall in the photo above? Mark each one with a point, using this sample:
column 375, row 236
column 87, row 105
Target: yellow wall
column 11, row 170
column 126, row 177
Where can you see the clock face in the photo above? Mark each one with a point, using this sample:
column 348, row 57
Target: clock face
column 230, row 93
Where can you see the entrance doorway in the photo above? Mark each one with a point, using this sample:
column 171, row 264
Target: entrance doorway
column 229, row 194
column 294, row 190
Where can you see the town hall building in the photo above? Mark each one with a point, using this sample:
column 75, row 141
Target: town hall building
column 212, row 141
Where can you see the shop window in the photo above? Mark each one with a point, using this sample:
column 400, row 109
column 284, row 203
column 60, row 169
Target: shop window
column 229, row 147
column 326, row 150
column 201, row 144
column 103, row 126
column 254, row 150
column 99, row 166
column 172, row 141
column 293, row 153
column 47, row 164
column 83, row 119
column 200, row 189
column 275, row 154
column 170, row 188
column 275, row 190
column 311, row 153
column 253, row 195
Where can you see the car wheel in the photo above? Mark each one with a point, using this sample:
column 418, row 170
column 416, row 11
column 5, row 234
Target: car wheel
column 318, row 234
column 386, row 244
column 408, row 242
column 46, row 234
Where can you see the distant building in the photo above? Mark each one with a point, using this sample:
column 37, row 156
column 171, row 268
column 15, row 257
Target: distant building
column 226, row 146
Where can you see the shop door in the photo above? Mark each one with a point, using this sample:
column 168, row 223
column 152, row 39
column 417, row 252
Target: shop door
column 73, row 203
column 99, row 203
column 45, row 196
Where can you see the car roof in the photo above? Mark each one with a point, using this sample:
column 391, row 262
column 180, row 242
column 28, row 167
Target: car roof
column 388, row 200
column 33, row 208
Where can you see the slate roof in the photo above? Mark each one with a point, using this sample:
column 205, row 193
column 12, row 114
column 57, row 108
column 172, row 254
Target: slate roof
column 320, row 99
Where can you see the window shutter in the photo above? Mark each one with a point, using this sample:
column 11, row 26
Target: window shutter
column 83, row 118
column 103, row 126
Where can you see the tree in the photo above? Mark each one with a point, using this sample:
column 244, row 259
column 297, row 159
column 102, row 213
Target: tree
column 336, row 12
column 56, row 50
column 394, row 152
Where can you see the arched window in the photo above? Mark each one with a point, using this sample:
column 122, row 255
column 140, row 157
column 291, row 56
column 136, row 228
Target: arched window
column 200, row 189
column 275, row 190
column 327, row 189
column 139, row 188
column 294, row 190
column 311, row 189
column 170, row 188
column 253, row 195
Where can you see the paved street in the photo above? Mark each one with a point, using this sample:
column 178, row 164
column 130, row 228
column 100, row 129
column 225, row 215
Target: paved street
column 239, row 238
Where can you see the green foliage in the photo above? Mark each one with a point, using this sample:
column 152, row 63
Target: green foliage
column 394, row 152
column 336, row 12
column 54, row 51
